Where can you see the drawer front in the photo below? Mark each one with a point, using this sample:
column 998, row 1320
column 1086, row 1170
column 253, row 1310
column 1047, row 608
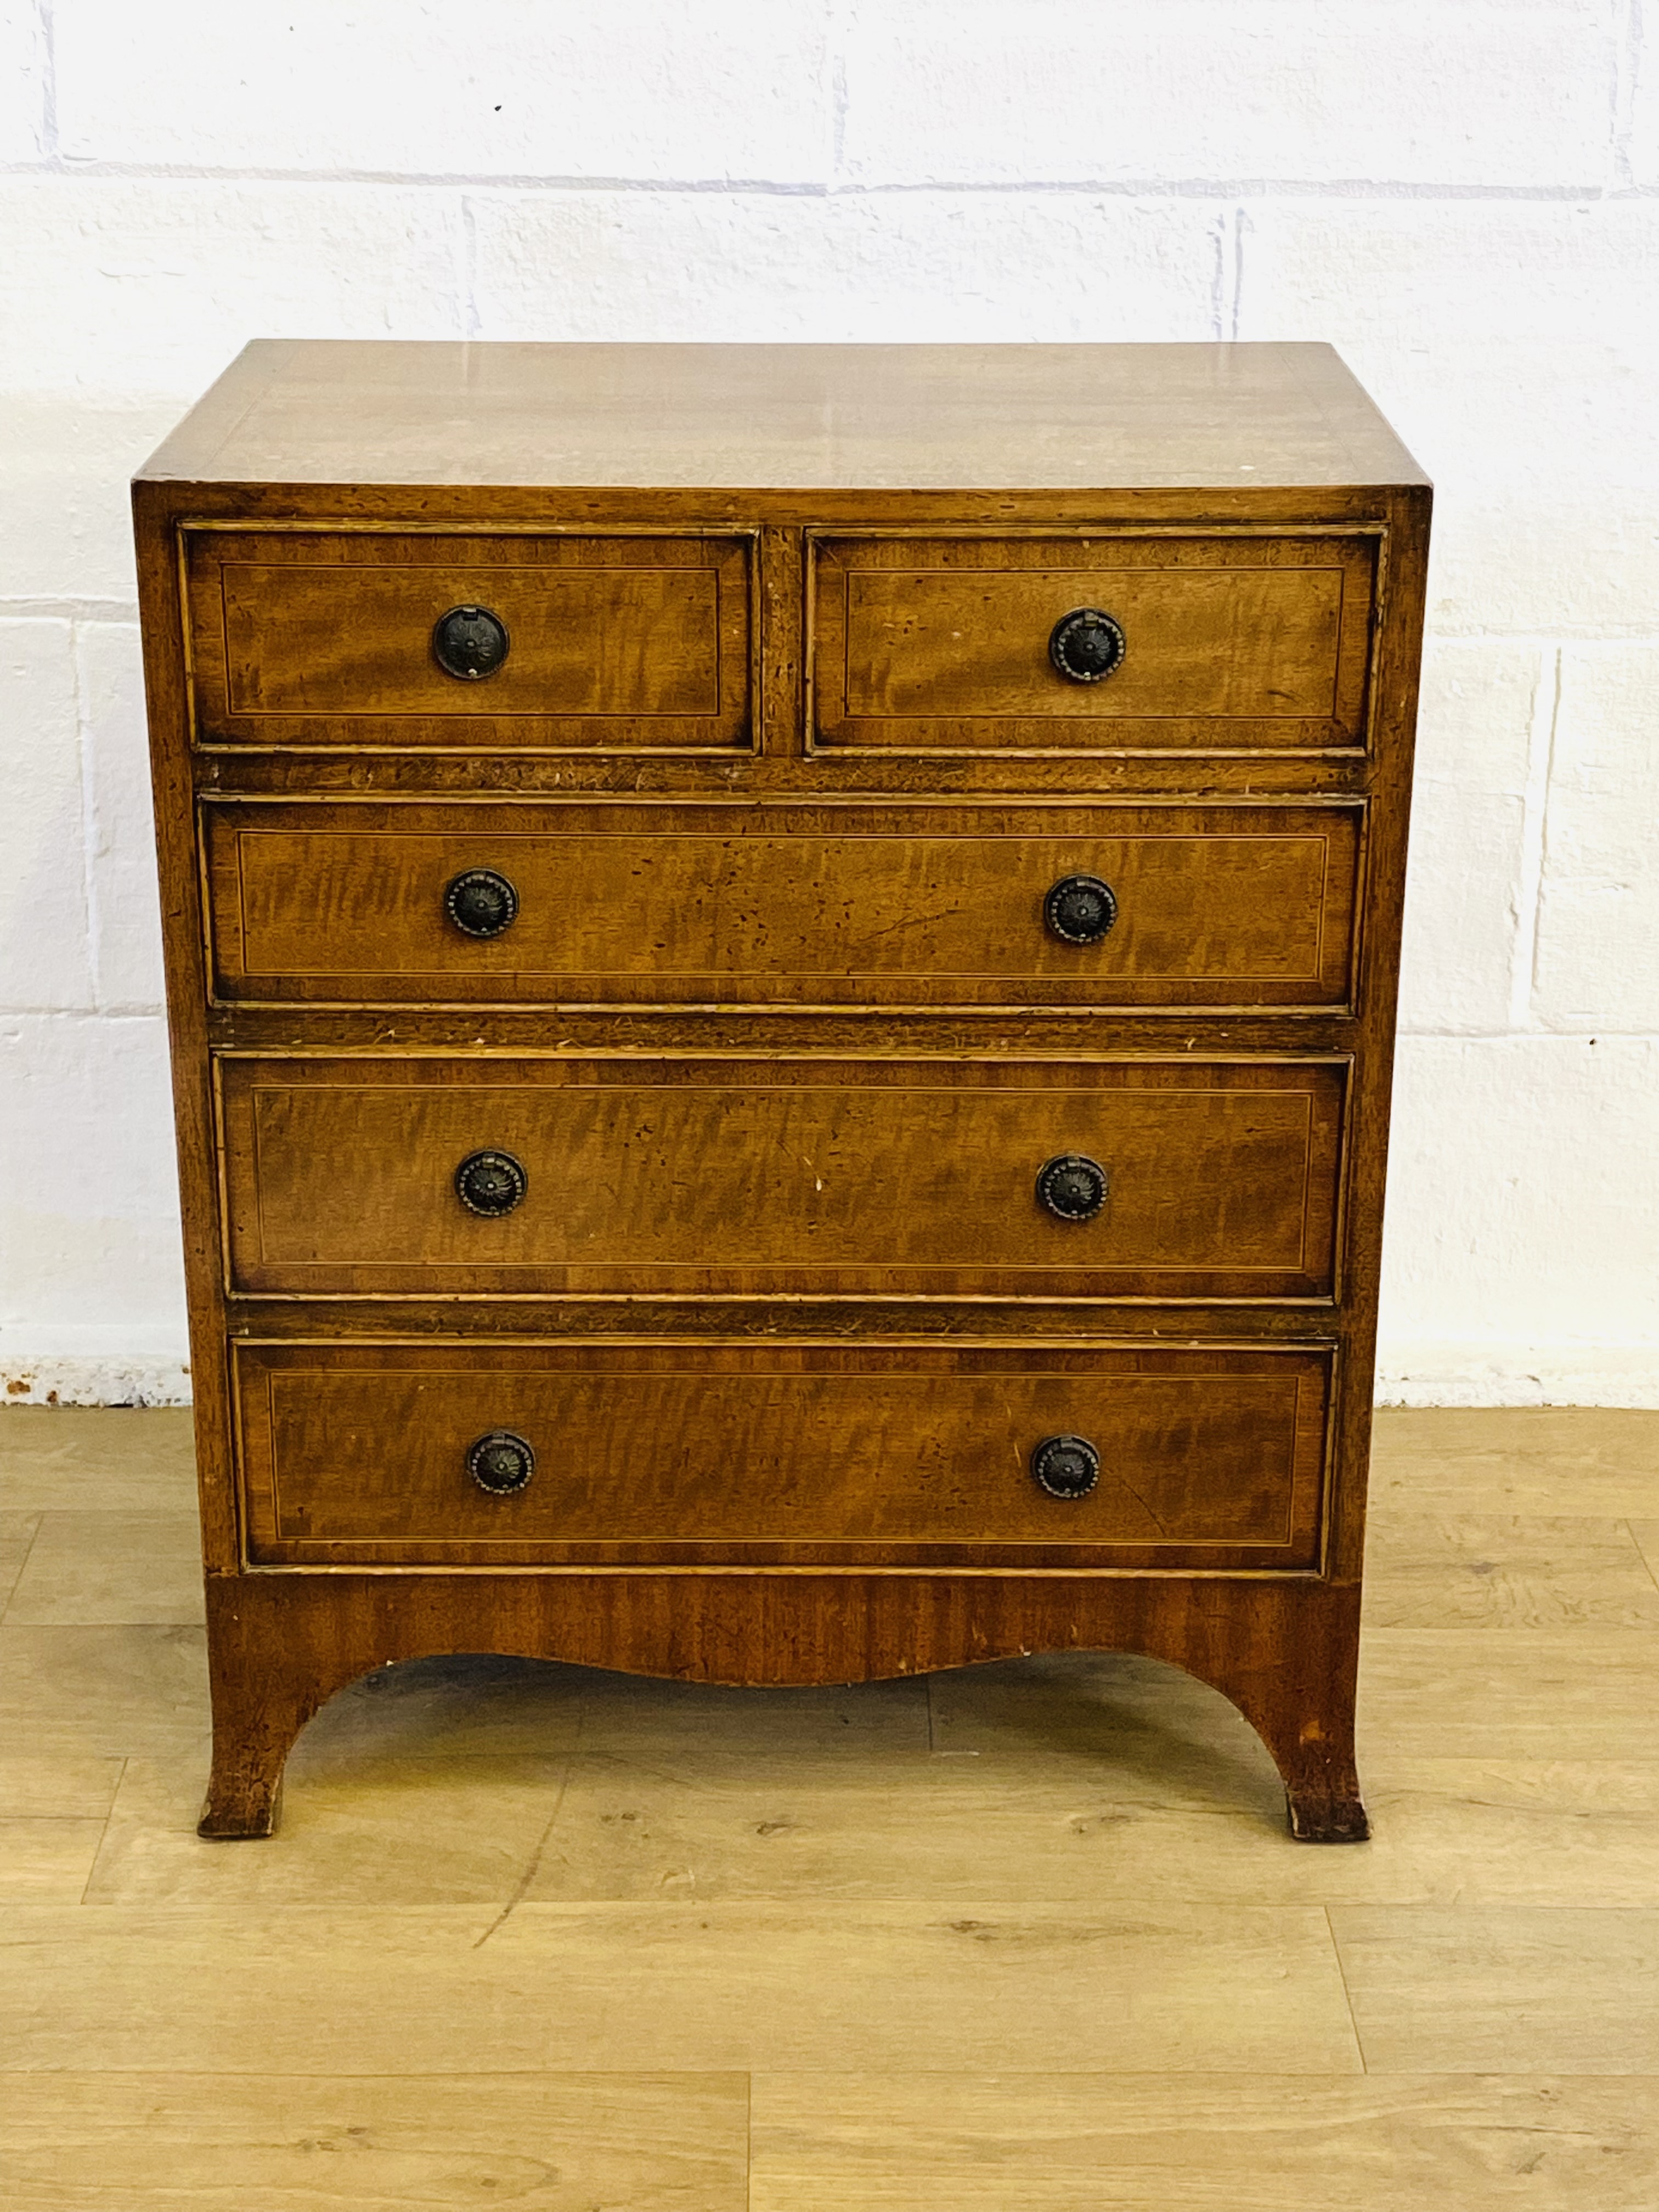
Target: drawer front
column 1228, row 643
column 1215, row 906
column 694, row 1176
column 311, row 637
column 795, row 1453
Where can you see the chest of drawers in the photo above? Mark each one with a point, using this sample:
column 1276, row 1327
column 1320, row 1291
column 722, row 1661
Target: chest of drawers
column 781, row 968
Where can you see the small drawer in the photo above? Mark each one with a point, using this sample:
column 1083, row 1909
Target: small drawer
column 603, row 904
column 1135, row 643
column 487, row 1454
column 426, row 642
column 487, row 1177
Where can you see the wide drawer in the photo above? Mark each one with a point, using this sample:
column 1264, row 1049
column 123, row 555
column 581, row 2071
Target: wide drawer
column 332, row 638
column 759, row 1176
column 1227, row 643
column 698, row 1451
column 623, row 904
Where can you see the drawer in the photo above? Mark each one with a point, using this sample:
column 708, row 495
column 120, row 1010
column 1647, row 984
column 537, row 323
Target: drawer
column 338, row 638
column 612, row 1173
column 1227, row 643
column 701, row 1451
column 600, row 904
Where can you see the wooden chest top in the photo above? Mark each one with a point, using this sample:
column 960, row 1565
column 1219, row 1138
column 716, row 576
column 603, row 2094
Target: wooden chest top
column 954, row 418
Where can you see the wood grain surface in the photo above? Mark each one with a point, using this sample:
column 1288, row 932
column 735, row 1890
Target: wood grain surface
column 1228, row 642
column 798, row 1454
column 1282, row 1648
column 308, row 637
column 865, row 903
column 903, row 420
column 787, row 1175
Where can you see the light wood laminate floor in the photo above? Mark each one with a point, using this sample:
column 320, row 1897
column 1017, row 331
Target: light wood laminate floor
column 1027, row 1938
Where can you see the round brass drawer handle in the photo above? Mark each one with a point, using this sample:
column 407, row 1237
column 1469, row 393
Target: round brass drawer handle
column 1072, row 1187
column 1065, row 1467
column 469, row 643
column 1080, row 909
column 500, row 1462
column 490, row 1183
column 1087, row 646
column 482, row 902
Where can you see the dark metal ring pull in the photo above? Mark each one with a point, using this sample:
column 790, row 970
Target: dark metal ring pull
column 1087, row 645
column 500, row 1462
column 481, row 902
column 1080, row 909
column 1065, row 1467
column 490, row 1183
column 469, row 643
column 1072, row 1187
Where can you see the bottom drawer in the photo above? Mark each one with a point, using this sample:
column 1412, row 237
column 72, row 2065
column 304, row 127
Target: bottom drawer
column 693, row 1452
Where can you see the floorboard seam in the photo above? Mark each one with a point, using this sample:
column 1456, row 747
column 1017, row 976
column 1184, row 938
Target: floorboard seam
column 545, row 1837
column 1347, row 1994
column 15, row 1582
column 1629, row 1528
column 103, row 1833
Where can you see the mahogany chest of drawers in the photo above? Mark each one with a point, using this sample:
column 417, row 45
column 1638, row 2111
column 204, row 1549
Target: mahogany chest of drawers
column 781, row 969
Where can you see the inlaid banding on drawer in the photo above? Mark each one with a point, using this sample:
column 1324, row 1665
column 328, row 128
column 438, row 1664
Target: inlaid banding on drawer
column 1219, row 642
column 753, row 1177
column 331, row 638
column 787, row 1453
column 1245, row 906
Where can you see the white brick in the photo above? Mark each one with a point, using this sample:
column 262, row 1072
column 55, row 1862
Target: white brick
column 1468, row 832
column 1396, row 275
column 1644, row 117
column 1598, row 920
column 43, row 892
column 1522, row 1204
column 128, row 287
column 126, row 903
column 1511, row 346
column 89, row 1205
column 1463, row 894
column 748, row 267
column 1553, row 558
column 1545, row 462
column 22, row 81
column 588, row 89
column 1475, row 714
column 65, row 516
column 1419, row 91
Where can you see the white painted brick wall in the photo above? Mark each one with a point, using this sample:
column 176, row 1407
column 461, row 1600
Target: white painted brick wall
column 1475, row 742
column 628, row 90
column 119, row 286
column 124, row 919
column 913, row 266
column 1511, row 343
column 23, row 71
column 1463, row 92
column 90, row 1272
column 1597, row 961
column 43, row 864
column 1463, row 195
column 1522, row 1221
